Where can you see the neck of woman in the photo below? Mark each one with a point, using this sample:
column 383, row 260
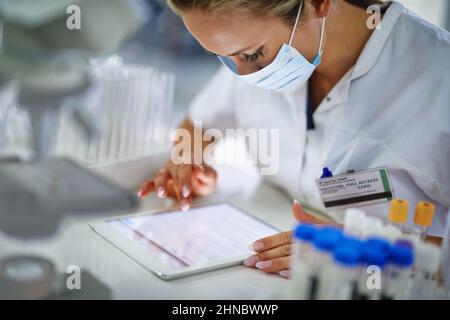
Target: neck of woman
column 346, row 35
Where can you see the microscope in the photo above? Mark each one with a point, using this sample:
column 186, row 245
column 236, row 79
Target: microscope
column 43, row 64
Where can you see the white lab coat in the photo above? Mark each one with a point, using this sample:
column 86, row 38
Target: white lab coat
column 391, row 109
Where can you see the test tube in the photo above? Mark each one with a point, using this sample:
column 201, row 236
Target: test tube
column 302, row 261
column 398, row 213
column 399, row 272
column 375, row 254
column 445, row 260
column 324, row 242
column 371, row 227
column 345, row 269
column 423, row 217
column 428, row 258
column 391, row 233
column 354, row 221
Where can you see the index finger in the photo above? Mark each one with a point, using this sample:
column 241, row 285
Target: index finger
column 273, row 241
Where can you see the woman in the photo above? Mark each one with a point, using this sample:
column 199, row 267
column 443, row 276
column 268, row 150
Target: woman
column 345, row 92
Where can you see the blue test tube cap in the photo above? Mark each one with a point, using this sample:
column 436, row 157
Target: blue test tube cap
column 305, row 232
column 327, row 238
column 404, row 243
column 348, row 255
column 350, row 241
column 378, row 243
column 373, row 255
column 401, row 256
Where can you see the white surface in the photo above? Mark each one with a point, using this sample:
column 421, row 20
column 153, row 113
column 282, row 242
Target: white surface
column 78, row 245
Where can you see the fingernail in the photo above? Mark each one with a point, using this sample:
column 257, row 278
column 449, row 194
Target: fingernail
column 263, row 264
column 185, row 191
column 161, row 192
column 185, row 207
column 139, row 194
column 250, row 261
column 285, row 273
column 296, row 202
column 256, row 246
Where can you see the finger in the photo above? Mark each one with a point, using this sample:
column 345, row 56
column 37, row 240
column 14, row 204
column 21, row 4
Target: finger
column 200, row 188
column 285, row 273
column 184, row 180
column 303, row 217
column 273, row 241
column 208, row 176
column 146, row 189
column 277, row 252
column 161, row 182
column 275, row 265
column 185, row 203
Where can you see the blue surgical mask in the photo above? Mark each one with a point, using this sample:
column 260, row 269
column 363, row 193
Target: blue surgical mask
column 289, row 70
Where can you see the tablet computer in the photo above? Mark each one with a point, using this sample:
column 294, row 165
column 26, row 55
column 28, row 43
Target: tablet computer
column 173, row 244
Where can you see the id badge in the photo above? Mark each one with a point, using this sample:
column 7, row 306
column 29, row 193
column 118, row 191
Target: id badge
column 356, row 189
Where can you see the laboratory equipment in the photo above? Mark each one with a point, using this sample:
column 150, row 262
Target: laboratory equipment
column 398, row 282
column 43, row 66
column 367, row 261
column 426, row 267
column 398, row 213
column 423, row 217
column 136, row 100
column 375, row 254
column 326, row 239
column 354, row 221
column 346, row 270
column 445, row 262
column 302, row 262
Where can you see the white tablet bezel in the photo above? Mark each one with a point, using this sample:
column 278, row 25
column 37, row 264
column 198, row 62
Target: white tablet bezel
column 161, row 270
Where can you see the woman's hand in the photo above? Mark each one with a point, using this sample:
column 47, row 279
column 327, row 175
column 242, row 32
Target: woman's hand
column 273, row 254
column 183, row 182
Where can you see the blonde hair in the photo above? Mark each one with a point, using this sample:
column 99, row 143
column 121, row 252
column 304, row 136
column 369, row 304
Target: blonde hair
column 285, row 9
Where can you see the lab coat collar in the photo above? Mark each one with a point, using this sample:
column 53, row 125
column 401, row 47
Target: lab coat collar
column 377, row 40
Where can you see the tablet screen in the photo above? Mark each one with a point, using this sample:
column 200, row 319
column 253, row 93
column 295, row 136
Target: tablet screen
column 202, row 235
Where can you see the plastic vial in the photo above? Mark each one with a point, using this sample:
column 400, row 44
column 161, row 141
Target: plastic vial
column 391, row 233
column 375, row 250
column 399, row 273
column 445, row 261
column 325, row 241
column 346, row 269
column 375, row 259
column 428, row 258
column 302, row 261
column 398, row 213
column 372, row 227
column 354, row 222
column 423, row 217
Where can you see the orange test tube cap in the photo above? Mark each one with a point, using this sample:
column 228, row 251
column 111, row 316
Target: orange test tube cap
column 424, row 214
column 399, row 211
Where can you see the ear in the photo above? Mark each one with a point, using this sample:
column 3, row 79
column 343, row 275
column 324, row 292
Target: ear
column 321, row 7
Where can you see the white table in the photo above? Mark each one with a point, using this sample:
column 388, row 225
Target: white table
column 78, row 245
